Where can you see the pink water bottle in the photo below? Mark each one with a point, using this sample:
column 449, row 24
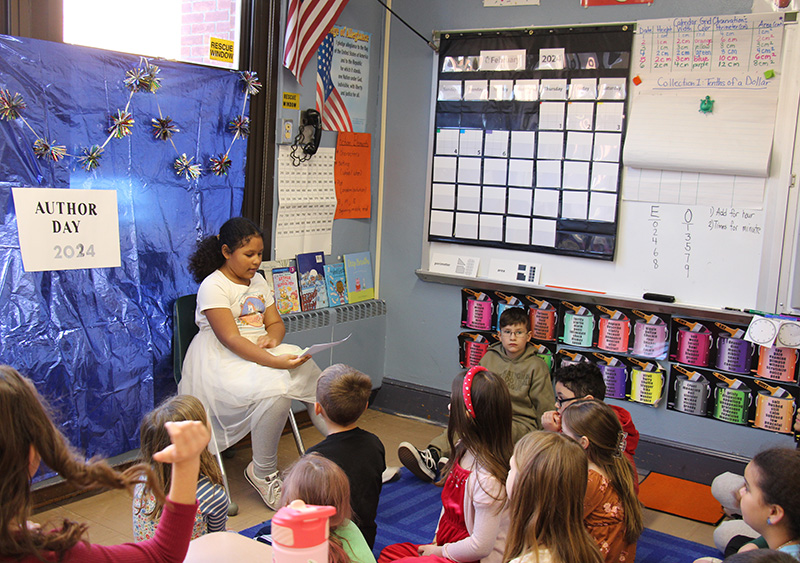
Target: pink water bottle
column 300, row 533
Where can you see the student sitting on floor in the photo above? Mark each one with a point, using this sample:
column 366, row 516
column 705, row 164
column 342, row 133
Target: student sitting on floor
column 342, row 397
column 474, row 518
column 515, row 361
column 212, row 513
column 585, row 381
column 546, row 488
column 770, row 500
column 611, row 511
column 317, row 480
column 29, row 438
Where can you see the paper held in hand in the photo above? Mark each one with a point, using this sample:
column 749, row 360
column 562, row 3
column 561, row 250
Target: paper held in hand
column 311, row 350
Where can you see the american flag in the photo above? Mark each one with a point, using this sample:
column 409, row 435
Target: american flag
column 329, row 103
column 307, row 24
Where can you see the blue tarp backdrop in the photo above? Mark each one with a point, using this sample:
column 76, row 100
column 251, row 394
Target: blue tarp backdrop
column 97, row 343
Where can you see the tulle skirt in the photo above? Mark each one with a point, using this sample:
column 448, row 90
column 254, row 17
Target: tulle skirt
column 237, row 392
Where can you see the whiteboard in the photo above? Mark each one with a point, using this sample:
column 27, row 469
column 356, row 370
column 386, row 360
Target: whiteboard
column 736, row 266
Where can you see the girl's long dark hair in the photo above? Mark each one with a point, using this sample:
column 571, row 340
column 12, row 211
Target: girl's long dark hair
column 488, row 435
column 24, row 424
column 207, row 257
column 599, row 424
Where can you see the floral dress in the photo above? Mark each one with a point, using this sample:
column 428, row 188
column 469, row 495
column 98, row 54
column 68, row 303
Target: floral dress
column 605, row 519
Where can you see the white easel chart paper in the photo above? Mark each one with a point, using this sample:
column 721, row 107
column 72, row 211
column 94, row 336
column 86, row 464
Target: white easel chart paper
column 733, row 64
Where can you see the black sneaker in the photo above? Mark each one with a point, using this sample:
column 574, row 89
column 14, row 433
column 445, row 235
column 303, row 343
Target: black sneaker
column 420, row 462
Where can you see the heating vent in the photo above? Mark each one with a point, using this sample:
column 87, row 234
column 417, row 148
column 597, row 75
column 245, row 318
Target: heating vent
column 358, row 311
column 309, row 320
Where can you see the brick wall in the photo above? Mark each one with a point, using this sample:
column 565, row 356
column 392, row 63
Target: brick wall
column 200, row 21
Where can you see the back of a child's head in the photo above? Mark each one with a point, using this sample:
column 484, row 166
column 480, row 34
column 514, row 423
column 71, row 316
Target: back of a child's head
column 483, row 427
column 343, row 392
column 583, row 379
column 207, row 257
column 154, row 438
column 317, row 480
column 546, row 500
column 760, row 556
column 514, row 316
column 777, row 471
column 600, row 425
column 27, row 427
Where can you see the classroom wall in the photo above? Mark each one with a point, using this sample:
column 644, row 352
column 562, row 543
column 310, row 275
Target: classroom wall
column 423, row 320
column 349, row 235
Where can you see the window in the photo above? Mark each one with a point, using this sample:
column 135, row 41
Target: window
column 181, row 30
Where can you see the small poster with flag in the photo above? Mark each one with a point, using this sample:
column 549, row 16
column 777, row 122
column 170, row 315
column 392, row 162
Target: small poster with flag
column 343, row 80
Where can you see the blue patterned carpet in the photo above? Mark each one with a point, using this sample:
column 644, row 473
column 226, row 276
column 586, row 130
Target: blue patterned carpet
column 409, row 509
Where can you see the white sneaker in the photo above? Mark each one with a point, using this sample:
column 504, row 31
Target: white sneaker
column 390, row 474
column 419, row 462
column 269, row 488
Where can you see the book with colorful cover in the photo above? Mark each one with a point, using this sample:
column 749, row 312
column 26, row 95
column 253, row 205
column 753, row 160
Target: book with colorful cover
column 358, row 270
column 337, row 284
column 287, row 294
column 311, row 276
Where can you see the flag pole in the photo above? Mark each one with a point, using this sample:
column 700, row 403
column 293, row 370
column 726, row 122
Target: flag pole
column 431, row 44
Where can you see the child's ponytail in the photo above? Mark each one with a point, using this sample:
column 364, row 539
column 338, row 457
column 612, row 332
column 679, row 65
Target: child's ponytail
column 206, row 258
column 599, row 424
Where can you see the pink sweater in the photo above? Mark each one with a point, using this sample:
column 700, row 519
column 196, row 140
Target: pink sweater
column 486, row 525
column 169, row 544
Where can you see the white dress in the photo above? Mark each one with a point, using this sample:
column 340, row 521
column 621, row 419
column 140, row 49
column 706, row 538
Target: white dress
column 236, row 391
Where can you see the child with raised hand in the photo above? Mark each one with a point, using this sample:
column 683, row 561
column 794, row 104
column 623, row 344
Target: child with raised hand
column 317, row 480
column 29, row 437
column 612, row 511
column 474, row 519
column 212, row 512
column 237, row 365
column 546, row 489
column 514, row 359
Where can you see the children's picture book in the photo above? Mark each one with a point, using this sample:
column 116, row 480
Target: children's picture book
column 287, row 295
column 337, row 284
column 311, row 275
column 358, row 270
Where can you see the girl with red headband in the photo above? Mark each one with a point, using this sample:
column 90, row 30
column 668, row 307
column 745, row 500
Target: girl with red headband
column 474, row 519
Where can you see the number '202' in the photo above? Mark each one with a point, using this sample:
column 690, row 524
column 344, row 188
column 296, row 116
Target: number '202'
column 68, row 251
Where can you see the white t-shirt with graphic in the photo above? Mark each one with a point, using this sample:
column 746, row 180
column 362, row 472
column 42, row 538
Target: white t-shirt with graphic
column 246, row 303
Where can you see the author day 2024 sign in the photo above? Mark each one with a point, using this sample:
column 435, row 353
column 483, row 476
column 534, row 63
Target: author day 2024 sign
column 64, row 229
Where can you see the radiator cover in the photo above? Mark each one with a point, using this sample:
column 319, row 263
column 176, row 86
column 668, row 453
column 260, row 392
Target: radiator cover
column 365, row 322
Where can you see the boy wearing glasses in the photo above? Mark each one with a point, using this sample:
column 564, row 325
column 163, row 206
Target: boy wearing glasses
column 528, row 381
column 585, row 381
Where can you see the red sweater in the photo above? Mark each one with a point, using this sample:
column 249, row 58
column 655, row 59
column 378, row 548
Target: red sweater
column 170, row 543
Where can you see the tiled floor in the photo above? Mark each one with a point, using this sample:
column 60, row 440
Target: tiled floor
column 109, row 514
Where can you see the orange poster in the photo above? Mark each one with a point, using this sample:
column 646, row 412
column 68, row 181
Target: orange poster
column 352, row 175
